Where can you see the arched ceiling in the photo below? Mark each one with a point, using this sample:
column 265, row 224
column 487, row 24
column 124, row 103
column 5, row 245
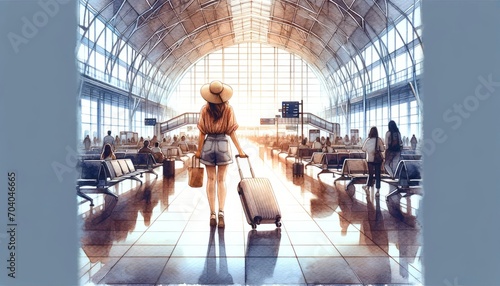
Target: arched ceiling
column 175, row 34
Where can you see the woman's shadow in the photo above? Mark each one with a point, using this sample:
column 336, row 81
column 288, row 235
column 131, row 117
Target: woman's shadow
column 210, row 274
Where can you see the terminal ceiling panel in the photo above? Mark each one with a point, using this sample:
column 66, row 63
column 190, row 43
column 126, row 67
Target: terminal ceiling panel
column 174, row 34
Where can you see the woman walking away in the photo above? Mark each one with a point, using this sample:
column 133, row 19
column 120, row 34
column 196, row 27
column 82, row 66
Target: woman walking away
column 217, row 124
column 394, row 145
column 370, row 146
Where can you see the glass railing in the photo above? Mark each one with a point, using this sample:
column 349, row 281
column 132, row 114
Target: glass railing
column 179, row 121
column 309, row 118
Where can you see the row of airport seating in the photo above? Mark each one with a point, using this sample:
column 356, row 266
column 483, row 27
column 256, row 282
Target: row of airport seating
column 351, row 166
column 327, row 161
column 97, row 176
column 406, row 178
column 307, row 153
column 176, row 151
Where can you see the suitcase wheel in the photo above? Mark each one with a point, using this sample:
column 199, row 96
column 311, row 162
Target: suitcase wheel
column 278, row 221
column 257, row 219
column 254, row 226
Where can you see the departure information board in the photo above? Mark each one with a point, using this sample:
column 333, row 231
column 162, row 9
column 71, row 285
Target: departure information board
column 150, row 121
column 290, row 109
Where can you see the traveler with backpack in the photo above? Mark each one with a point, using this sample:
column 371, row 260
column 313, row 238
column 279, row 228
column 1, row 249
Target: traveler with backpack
column 394, row 145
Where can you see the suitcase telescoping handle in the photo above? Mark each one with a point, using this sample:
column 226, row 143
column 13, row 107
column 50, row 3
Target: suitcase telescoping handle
column 239, row 168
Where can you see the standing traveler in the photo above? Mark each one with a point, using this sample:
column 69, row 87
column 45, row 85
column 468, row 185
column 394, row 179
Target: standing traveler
column 413, row 142
column 371, row 144
column 87, row 143
column 394, row 145
column 108, row 139
column 217, row 124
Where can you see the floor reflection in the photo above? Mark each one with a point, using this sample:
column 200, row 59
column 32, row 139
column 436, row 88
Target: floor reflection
column 333, row 233
column 261, row 255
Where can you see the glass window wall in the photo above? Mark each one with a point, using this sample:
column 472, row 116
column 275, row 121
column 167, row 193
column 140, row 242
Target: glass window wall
column 261, row 78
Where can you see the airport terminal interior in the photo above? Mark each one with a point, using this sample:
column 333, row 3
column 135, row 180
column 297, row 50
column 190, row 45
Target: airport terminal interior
column 300, row 71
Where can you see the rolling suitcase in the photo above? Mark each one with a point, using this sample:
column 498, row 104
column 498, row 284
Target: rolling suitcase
column 257, row 198
column 168, row 166
column 298, row 168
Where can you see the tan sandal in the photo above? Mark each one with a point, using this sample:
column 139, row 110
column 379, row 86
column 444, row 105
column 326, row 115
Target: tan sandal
column 213, row 221
column 221, row 219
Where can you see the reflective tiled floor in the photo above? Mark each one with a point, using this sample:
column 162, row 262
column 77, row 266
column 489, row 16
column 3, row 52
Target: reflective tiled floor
column 159, row 233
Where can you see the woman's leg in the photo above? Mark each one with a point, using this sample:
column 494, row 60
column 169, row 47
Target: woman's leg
column 221, row 185
column 387, row 162
column 391, row 162
column 221, row 192
column 211, row 174
column 371, row 171
column 377, row 175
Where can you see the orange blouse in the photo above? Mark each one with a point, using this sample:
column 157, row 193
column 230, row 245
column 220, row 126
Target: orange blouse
column 225, row 125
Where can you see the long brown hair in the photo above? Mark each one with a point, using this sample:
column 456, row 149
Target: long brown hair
column 106, row 152
column 393, row 127
column 216, row 110
column 373, row 132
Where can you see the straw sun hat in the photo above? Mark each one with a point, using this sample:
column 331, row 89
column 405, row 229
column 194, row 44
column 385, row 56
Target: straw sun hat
column 216, row 92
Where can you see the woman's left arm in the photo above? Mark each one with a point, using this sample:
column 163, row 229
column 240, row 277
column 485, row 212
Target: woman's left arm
column 237, row 144
column 201, row 140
